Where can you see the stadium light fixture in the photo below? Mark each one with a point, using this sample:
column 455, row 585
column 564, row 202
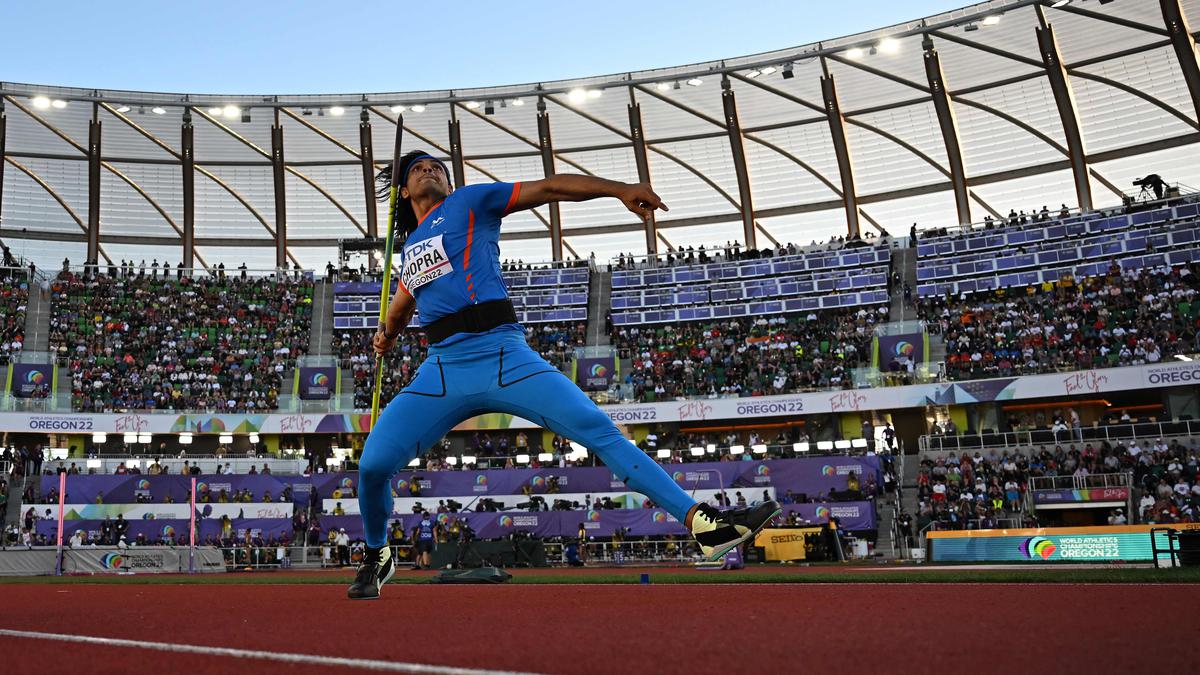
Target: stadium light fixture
column 663, row 453
column 991, row 20
column 231, row 111
column 158, row 111
column 225, row 439
column 469, row 459
column 337, row 111
column 414, row 463
column 800, row 447
column 737, row 449
column 824, row 445
column 95, row 463
column 889, row 46
column 842, row 444
column 418, row 108
column 711, row 449
column 129, row 438
column 254, row 438
column 333, row 461
column 697, row 451
column 99, row 437
column 768, row 70
column 753, row 74
column 58, row 104
column 788, row 73
column 695, row 82
column 144, row 439
column 518, row 102
column 858, row 442
column 759, row 449
column 545, row 457
column 452, row 460
column 594, row 93
column 41, row 102
column 854, row 53
column 663, row 86
column 185, row 439
column 471, row 105
column 123, row 108
column 134, row 463
column 522, row 458
column 398, row 109
column 214, row 111
column 577, row 96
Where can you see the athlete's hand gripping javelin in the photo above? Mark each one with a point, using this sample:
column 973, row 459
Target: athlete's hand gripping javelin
column 639, row 198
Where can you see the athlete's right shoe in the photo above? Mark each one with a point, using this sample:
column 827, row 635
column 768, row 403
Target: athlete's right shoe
column 374, row 571
column 719, row 531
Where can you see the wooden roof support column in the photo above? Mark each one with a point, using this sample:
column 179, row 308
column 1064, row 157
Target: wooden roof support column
column 546, row 145
column 738, row 147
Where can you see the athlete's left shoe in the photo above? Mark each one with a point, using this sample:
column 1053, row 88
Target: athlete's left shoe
column 719, row 531
column 376, row 568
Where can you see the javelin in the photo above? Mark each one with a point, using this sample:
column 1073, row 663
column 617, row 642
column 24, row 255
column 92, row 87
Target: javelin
column 393, row 195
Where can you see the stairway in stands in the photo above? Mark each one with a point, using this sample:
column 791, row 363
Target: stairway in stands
column 904, row 261
column 37, row 319
column 320, row 337
column 599, row 304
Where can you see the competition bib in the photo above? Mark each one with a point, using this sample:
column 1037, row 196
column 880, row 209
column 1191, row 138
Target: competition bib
column 425, row 261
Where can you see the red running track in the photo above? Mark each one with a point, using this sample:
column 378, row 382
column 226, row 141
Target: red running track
column 757, row 628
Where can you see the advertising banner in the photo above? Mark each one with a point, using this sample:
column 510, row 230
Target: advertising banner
column 784, row 543
column 168, row 531
column 176, row 511
column 1083, row 497
column 30, row 379
column 126, row 488
column 595, row 374
column 900, row 350
column 316, row 383
column 1130, row 543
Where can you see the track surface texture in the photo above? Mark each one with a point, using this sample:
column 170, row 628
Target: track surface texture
column 760, row 628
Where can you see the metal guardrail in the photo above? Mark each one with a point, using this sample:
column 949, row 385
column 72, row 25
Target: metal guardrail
column 1012, row 440
column 1098, row 480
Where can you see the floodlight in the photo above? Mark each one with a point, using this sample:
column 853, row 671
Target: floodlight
column 737, row 449
column 522, row 458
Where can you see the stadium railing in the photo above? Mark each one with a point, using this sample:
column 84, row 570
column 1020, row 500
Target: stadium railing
column 1013, row 440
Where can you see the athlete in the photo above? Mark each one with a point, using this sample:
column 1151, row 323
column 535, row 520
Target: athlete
column 478, row 360
column 423, row 537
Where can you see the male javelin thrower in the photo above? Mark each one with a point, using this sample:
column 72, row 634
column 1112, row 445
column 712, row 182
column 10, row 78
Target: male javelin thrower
column 479, row 361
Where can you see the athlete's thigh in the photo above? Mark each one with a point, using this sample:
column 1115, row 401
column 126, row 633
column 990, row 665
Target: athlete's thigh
column 550, row 399
column 415, row 419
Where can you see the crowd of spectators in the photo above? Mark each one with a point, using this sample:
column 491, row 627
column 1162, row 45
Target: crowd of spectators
column 139, row 340
column 976, row 492
column 733, row 250
column 555, row 342
column 752, row 356
column 1120, row 319
column 14, row 298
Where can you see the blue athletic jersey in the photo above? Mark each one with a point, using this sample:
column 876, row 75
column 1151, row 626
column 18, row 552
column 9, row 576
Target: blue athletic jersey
column 452, row 259
column 425, row 531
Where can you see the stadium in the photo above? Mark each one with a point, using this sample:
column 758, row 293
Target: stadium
column 925, row 295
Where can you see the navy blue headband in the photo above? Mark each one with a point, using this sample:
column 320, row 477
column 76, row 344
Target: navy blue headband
column 411, row 164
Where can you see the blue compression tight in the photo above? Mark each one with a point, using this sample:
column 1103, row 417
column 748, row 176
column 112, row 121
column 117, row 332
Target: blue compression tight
column 495, row 372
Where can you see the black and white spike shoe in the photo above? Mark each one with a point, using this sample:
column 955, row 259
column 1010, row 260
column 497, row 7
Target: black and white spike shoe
column 374, row 571
column 719, row 531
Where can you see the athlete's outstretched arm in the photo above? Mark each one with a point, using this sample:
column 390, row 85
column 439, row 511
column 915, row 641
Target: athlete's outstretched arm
column 564, row 187
column 399, row 313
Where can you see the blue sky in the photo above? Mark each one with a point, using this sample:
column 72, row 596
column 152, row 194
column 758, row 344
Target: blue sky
column 306, row 46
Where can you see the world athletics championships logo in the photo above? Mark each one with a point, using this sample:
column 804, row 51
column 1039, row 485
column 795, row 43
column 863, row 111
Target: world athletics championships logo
column 660, row 517
column 35, row 377
column 201, row 487
column 320, row 380
column 481, row 479
column 763, row 470
column 1039, row 546
column 143, row 484
column 112, row 561
column 505, row 521
column 822, row 512
column 593, row 516
column 443, row 518
column 905, row 349
column 168, row 532
column 402, row 485
column 537, row 481
column 827, row 470
column 347, row 482
column 599, row 370
column 678, row 476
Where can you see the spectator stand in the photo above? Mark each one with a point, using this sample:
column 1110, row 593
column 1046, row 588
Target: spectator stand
column 14, row 301
column 33, row 384
column 935, row 446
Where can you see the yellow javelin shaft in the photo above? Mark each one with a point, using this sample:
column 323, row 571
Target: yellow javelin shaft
column 383, row 298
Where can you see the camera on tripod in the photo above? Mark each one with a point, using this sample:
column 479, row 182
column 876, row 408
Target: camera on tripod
column 454, row 506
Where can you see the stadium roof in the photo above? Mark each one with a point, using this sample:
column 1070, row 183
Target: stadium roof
column 1135, row 115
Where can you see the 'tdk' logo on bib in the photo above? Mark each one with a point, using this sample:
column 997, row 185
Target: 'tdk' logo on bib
column 425, row 261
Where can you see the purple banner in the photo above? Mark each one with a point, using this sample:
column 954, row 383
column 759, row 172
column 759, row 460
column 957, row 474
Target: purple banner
column 899, row 350
column 31, row 379
column 317, row 384
column 1111, row 494
column 595, row 374
column 124, row 489
column 208, row 531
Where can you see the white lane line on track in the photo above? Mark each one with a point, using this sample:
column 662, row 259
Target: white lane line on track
column 285, row 657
